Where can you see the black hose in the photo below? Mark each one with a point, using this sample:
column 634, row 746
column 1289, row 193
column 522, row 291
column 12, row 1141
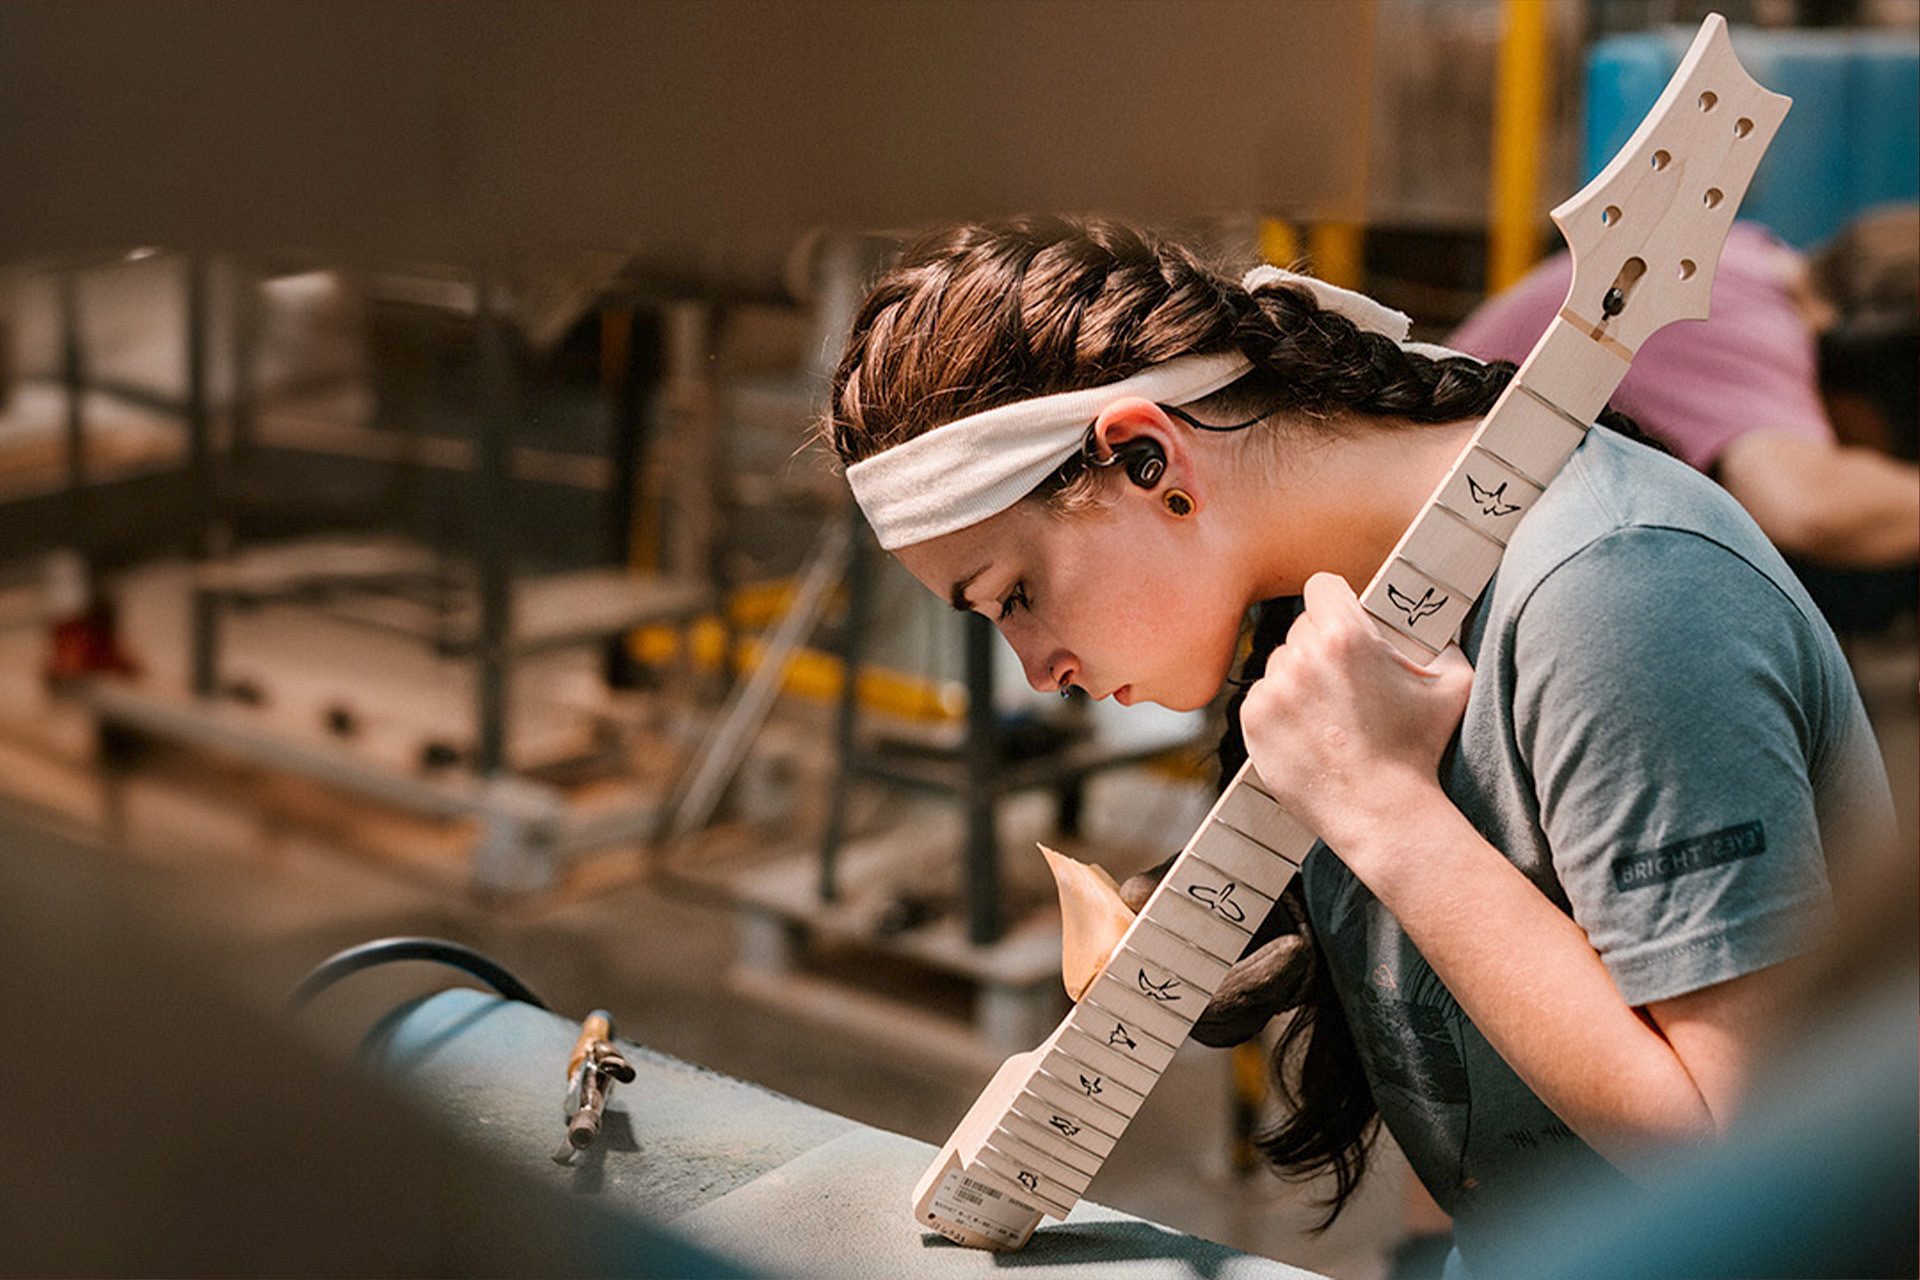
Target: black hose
column 388, row 950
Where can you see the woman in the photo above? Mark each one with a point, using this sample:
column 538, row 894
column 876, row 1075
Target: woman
column 1556, row 933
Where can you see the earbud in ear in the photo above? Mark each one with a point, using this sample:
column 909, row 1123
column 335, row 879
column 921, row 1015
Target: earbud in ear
column 1144, row 460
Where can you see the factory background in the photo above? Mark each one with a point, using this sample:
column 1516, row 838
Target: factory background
column 410, row 524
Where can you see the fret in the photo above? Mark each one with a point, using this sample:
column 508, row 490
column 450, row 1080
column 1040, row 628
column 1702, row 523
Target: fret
column 1220, row 891
column 1116, row 1033
column 1027, row 1181
column 1451, row 550
column 1243, row 807
column 1051, row 1141
column 1155, row 983
column 1488, row 493
column 1051, row 1157
column 1056, row 1178
column 1068, row 1121
column 1094, row 1084
column 1154, row 944
column 1136, row 1020
column 1416, row 606
column 1219, row 938
column 1528, row 436
column 1249, row 779
column 1059, row 1099
column 1245, row 860
column 1125, row 1002
column 1096, row 1058
column 1571, row 371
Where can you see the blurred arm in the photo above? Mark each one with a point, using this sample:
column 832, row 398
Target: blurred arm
column 1829, row 503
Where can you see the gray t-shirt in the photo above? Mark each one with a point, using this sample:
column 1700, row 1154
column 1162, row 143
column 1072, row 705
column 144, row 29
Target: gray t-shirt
column 1665, row 738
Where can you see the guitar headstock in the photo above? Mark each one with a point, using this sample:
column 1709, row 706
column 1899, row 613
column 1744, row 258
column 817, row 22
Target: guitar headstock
column 1646, row 233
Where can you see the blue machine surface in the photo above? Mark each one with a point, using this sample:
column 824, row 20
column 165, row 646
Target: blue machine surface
column 1851, row 141
column 781, row 1187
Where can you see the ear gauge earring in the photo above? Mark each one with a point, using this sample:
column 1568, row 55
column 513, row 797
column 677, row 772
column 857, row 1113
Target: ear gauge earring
column 1179, row 502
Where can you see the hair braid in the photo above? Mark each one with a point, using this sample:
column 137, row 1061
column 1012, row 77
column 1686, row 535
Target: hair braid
column 1320, row 364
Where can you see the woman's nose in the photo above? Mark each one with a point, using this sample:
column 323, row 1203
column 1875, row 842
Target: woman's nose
column 1046, row 670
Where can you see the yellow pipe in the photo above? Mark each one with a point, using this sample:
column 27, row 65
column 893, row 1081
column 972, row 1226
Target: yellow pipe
column 1336, row 246
column 1336, row 251
column 1519, row 128
column 1279, row 243
column 810, row 673
column 1333, row 250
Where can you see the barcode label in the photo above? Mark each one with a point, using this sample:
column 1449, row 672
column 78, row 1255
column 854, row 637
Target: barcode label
column 977, row 1206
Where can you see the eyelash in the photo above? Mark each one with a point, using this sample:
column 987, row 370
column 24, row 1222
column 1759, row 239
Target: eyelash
column 1017, row 596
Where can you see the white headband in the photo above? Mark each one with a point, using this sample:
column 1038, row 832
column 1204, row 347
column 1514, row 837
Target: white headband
column 964, row 471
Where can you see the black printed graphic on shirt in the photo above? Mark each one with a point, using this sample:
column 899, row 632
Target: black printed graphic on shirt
column 1418, row 1047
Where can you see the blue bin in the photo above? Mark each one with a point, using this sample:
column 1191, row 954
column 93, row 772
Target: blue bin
column 1851, row 141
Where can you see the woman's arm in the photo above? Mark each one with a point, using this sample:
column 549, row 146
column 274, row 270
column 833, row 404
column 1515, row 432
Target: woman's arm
column 1349, row 735
column 1826, row 502
column 1624, row 1079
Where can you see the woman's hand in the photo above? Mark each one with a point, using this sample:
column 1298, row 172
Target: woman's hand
column 1346, row 731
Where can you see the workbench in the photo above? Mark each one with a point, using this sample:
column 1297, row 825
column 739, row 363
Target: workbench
column 774, row 1184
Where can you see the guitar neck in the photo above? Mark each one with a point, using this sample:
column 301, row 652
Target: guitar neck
column 1436, row 572
column 1045, row 1126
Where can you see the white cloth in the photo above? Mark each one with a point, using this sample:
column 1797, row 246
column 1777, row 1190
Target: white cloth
column 1373, row 316
column 965, row 471
column 977, row 466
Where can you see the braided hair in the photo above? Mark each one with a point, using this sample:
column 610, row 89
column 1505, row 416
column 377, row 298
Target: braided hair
column 977, row 316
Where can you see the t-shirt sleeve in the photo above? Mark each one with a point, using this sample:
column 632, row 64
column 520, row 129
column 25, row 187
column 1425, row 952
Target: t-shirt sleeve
column 1667, row 704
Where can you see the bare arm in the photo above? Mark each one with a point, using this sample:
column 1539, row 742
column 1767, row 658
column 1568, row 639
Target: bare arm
column 1829, row 503
column 1349, row 733
column 1624, row 1079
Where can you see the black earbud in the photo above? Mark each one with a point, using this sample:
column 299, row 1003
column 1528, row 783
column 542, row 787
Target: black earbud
column 1142, row 459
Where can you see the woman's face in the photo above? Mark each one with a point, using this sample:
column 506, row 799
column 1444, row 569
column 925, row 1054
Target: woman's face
column 1124, row 600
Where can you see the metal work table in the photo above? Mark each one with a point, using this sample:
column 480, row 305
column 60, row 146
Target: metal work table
column 774, row 1184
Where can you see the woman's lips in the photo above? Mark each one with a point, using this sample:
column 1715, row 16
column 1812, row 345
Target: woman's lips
column 1124, row 695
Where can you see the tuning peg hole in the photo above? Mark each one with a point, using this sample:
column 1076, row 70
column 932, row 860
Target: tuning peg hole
column 1661, row 159
column 1709, row 100
column 1742, row 127
column 1686, row 268
column 1610, row 215
column 1712, row 198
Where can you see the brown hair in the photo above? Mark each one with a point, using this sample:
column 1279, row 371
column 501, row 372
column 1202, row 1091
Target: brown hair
column 1869, row 273
column 979, row 316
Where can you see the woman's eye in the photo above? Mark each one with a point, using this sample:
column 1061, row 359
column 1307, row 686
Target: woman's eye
column 1015, row 597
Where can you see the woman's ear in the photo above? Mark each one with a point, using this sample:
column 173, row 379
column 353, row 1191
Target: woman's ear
column 1138, row 436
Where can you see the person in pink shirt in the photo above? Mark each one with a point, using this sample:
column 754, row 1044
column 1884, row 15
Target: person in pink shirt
column 1738, row 396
